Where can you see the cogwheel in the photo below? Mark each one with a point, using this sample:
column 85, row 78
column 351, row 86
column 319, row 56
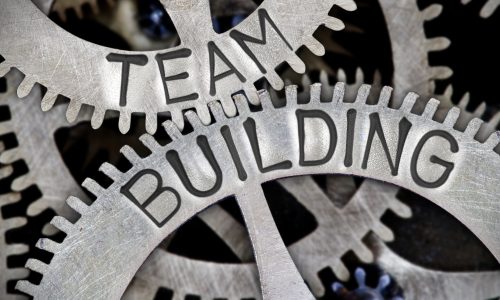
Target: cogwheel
column 61, row 7
column 46, row 168
column 421, row 283
column 7, row 250
column 208, row 66
column 410, row 48
column 488, row 9
column 114, row 235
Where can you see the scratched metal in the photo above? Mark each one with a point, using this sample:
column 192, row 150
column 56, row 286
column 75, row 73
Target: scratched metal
column 185, row 77
column 108, row 244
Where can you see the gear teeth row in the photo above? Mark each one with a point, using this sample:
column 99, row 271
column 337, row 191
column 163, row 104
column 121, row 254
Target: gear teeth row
column 61, row 7
column 10, row 249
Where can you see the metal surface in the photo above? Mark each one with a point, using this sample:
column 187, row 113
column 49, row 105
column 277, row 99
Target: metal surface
column 96, row 260
column 412, row 71
column 207, row 66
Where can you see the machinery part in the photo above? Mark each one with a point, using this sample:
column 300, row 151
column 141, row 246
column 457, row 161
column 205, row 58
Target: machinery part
column 412, row 72
column 61, row 7
column 213, row 66
column 101, row 251
column 363, row 291
column 43, row 127
column 488, row 9
column 44, row 5
column 421, row 283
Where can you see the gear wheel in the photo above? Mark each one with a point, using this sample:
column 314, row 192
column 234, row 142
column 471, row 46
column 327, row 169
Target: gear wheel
column 112, row 222
column 137, row 82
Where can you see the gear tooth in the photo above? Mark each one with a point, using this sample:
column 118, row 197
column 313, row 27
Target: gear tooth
column 6, row 172
column 265, row 100
column 178, row 119
column 178, row 296
column 493, row 140
column 25, row 87
column 385, row 96
column 408, row 102
column 124, row 122
column 93, row 187
column 150, row 142
column 77, row 205
column 78, row 11
column 473, row 127
column 441, row 73
column 18, row 273
column 437, row 44
column 315, row 93
column 95, row 7
column 341, row 75
column 10, row 156
column 111, row 171
column 377, row 78
column 97, row 118
column 15, row 222
column 296, row 64
column 48, row 100
column 36, row 265
column 306, row 82
column 73, row 110
column 22, row 182
column 323, row 78
column 16, row 249
column 432, row 11
column 384, row 232
column 151, row 123
column 338, row 92
column 314, row 46
column 242, row 104
column 217, row 112
column 62, row 224
column 464, row 102
column 5, row 127
column 360, row 76
column 49, row 245
column 489, row 8
column 340, row 270
column 400, row 209
column 495, row 120
column 315, row 284
column 26, row 287
column 363, row 93
column 452, row 117
column 480, row 110
column 252, row 94
column 362, row 252
column 4, row 69
column 204, row 114
column 291, row 94
column 193, row 119
column 430, row 108
column 172, row 130
column 274, row 80
column 334, row 24
column 348, row 5
column 228, row 106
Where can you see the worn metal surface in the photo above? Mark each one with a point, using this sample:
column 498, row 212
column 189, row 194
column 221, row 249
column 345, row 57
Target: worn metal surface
column 205, row 67
column 97, row 259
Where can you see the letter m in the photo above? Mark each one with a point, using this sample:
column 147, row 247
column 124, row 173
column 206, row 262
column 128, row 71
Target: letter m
column 242, row 39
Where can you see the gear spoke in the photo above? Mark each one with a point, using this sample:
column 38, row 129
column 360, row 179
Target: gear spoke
column 279, row 277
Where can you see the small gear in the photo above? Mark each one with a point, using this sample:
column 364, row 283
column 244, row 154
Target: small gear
column 212, row 66
column 61, row 7
column 123, row 217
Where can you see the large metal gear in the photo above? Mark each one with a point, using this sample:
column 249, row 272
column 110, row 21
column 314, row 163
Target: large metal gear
column 462, row 191
column 207, row 66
